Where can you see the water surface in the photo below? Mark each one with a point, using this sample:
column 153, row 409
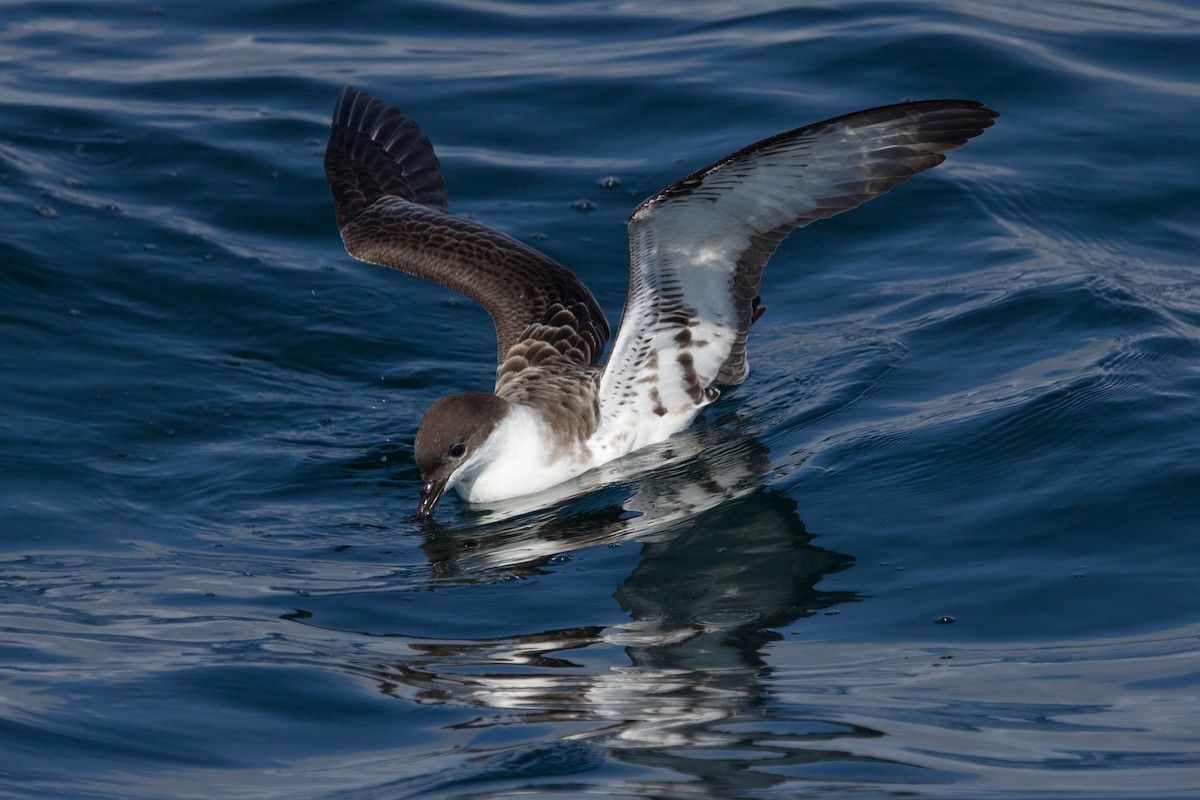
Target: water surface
column 940, row 543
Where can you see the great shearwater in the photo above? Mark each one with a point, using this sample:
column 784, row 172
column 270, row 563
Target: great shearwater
column 697, row 251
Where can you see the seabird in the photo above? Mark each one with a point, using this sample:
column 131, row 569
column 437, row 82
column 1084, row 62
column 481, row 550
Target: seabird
column 697, row 251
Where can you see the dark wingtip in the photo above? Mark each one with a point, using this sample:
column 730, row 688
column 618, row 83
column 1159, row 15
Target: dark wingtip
column 375, row 151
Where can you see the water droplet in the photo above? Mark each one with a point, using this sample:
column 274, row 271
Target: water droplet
column 944, row 620
column 609, row 181
column 582, row 205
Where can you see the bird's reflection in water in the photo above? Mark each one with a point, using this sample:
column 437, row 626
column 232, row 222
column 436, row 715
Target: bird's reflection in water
column 681, row 684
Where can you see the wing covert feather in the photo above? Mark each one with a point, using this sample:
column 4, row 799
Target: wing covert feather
column 391, row 210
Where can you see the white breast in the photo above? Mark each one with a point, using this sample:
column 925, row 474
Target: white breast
column 520, row 457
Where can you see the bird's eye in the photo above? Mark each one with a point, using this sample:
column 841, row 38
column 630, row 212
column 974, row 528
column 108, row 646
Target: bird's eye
column 458, row 451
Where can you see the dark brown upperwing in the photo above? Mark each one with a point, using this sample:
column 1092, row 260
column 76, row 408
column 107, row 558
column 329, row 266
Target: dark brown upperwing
column 391, row 210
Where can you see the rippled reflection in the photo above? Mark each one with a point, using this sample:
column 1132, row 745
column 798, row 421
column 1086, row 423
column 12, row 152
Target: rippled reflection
column 681, row 683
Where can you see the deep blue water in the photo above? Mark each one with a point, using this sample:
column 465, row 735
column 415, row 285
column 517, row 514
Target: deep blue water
column 974, row 398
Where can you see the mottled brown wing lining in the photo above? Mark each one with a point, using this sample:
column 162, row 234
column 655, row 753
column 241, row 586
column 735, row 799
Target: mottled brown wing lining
column 924, row 132
column 391, row 210
column 832, row 166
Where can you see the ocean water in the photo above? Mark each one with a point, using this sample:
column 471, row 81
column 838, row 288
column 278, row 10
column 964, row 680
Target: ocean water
column 940, row 544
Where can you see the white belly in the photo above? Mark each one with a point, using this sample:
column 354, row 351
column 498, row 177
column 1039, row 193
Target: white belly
column 521, row 457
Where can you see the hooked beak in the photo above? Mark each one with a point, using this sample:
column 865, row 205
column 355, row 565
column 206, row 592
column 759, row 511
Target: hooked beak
column 431, row 493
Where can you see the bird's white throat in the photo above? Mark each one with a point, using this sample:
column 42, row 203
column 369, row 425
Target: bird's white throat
column 520, row 457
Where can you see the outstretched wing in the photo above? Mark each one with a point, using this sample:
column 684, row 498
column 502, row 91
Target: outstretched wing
column 391, row 210
column 698, row 247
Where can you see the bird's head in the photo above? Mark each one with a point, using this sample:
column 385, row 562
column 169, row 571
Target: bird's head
column 450, row 440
